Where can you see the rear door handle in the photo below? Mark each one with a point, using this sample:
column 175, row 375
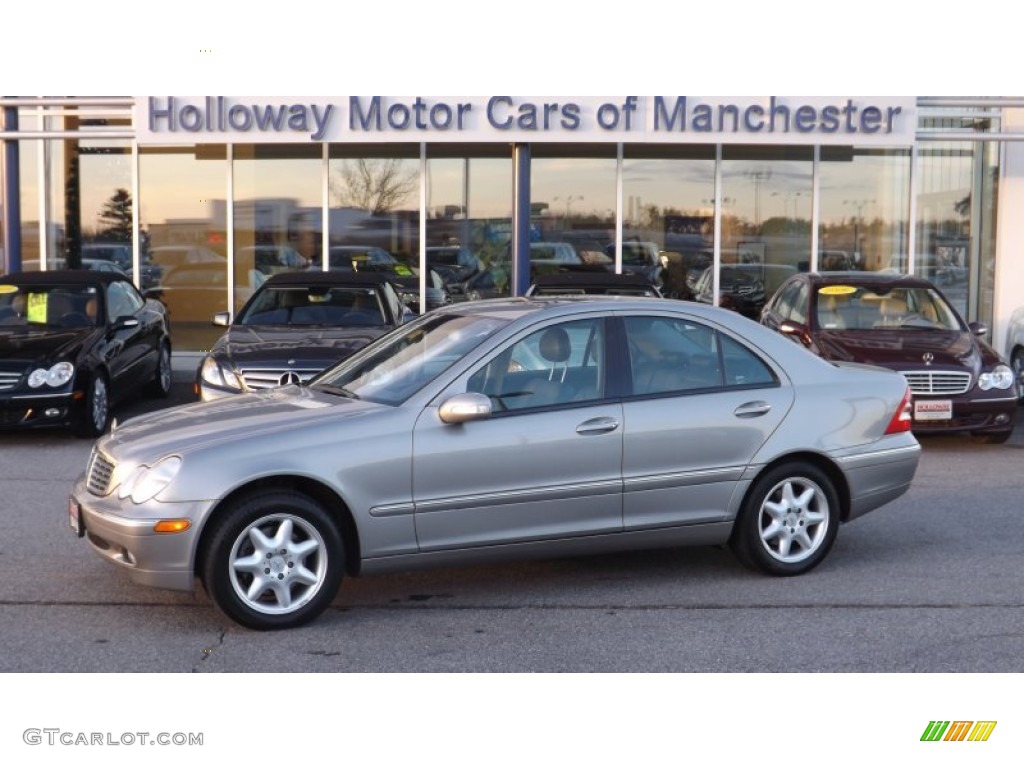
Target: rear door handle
column 597, row 426
column 752, row 409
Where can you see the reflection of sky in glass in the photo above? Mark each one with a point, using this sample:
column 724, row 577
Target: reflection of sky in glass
column 684, row 185
column 586, row 186
column 291, row 178
column 757, row 190
column 490, row 185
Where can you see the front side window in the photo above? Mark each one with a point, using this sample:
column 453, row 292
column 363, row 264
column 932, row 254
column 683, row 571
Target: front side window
column 558, row 365
column 119, row 302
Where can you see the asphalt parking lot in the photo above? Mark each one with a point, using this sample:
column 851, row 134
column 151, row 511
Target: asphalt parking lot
column 930, row 583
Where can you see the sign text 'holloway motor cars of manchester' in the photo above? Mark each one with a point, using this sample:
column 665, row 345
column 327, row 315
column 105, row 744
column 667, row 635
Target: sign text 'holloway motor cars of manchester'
column 771, row 119
column 513, row 428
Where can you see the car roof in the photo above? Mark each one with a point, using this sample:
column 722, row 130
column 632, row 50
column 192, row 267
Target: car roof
column 338, row 277
column 581, row 278
column 64, row 276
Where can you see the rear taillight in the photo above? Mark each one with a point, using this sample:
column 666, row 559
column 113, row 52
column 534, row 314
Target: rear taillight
column 903, row 418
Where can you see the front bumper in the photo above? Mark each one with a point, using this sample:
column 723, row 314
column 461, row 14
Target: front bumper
column 972, row 414
column 163, row 560
column 21, row 411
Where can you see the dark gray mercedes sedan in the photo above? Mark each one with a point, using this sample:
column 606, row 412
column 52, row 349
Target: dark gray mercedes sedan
column 539, row 427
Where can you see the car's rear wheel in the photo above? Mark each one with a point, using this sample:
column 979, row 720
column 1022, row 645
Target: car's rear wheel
column 274, row 560
column 788, row 521
column 160, row 386
column 95, row 417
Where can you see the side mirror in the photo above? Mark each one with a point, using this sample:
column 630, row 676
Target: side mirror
column 978, row 329
column 796, row 331
column 469, row 406
column 222, row 319
column 126, row 321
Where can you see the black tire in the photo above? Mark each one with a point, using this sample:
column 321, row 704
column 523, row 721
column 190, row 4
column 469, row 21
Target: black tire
column 307, row 558
column 95, row 416
column 788, row 521
column 160, row 386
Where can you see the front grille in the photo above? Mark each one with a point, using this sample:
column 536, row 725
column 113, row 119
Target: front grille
column 100, row 470
column 938, row 382
column 267, row 378
column 10, row 379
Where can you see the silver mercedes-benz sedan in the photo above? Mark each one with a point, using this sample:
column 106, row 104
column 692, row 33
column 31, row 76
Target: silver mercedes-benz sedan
column 502, row 429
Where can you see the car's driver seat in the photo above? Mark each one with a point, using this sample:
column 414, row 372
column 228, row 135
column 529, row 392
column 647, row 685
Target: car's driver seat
column 551, row 388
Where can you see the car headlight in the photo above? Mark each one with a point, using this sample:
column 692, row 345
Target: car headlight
column 147, row 481
column 57, row 376
column 1000, row 377
column 219, row 375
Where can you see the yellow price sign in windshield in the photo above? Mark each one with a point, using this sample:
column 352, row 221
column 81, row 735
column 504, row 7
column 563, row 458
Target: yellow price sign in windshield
column 35, row 310
column 837, row 290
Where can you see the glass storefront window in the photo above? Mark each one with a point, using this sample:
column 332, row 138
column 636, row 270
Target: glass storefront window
column 373, row 206
column 766, row 222
column 864, row 198
column 183, row 233
column 668, row 214
column 469, row 219
column 956, row 221
column 572, row 205
column 277, row 212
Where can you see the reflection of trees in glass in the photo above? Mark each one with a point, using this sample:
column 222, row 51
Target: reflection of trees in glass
column 116, row 215
column 374, row 185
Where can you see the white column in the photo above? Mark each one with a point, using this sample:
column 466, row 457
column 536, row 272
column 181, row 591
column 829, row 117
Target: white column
column 1009, row 276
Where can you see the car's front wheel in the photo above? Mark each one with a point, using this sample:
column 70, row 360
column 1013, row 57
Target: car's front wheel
column 160, row 386
column 788, row 521
column 274, row 560
column 95, row 417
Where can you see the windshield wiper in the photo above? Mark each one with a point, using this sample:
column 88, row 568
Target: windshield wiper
column 333, row 390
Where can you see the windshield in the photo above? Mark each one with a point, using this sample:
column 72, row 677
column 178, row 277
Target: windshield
column 51, row 306
column 313, row 305
column 857, row 308
column 402, row 362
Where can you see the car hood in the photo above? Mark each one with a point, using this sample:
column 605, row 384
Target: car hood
column 902, row 349
column 244, row 345
column 34, row 344
column 198, row 426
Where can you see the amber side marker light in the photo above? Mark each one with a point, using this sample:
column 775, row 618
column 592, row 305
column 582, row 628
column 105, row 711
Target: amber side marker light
column 172, row 526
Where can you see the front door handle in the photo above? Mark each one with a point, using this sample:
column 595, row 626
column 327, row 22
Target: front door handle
column 597, row 426
column 752, row 409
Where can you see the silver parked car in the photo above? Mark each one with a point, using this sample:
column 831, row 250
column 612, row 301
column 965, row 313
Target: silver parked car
column 512, row 428
column 1015, row 349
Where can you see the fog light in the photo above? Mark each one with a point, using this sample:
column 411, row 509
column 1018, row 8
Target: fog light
column 172, row 526
column 1002, row 418
column 52, row 413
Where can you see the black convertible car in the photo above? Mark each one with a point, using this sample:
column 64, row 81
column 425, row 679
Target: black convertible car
column 296, row 325
column 72, row 344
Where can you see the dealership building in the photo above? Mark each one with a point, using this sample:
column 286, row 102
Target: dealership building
column 203, row 196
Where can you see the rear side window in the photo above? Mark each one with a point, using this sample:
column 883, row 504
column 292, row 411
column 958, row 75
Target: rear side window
column 742, row 367
column 672, row 355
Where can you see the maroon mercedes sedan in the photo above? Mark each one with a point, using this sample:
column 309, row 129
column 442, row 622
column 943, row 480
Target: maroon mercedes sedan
column 959, row 383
